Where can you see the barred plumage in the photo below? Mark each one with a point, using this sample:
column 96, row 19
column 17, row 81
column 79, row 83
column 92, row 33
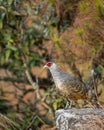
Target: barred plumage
column 69, row 87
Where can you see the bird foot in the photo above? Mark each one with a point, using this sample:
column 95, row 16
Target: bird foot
column 68, row 105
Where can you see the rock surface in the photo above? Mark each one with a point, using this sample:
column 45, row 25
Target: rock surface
column 80, row 119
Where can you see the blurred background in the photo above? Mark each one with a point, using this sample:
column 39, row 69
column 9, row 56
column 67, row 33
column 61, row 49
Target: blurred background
column 33, row 32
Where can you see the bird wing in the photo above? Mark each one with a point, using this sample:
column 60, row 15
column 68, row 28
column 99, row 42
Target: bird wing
column 74, row 89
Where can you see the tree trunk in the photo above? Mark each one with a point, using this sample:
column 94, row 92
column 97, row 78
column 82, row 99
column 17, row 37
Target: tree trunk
column 80, row 119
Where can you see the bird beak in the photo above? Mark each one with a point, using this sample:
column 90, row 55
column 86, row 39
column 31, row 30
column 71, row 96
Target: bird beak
column 44, row 66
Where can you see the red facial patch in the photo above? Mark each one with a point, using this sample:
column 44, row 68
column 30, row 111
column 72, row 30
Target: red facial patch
column 49, row 64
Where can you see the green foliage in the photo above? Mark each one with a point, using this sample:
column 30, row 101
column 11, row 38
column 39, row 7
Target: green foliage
column 14, row 37
column 99, row 71
column 84, row 6
column 52, row 2
column 79, row 32
column 100, row 6
column 54, row 36
column 8, row 124
column 59, row 103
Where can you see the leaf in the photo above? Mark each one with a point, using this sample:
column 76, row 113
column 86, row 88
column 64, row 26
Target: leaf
column 13, row 48
column 32, row 63
column 7, row 54
column 1, row 24
column 55, row 105
column 16, row 55
column 46, row 93
column 99, row 3
column 79, row 32
column 7, row 38
column 28, row 10
column 2, row 60
column 2, row 8
column 83, row 7
column 12, row 23
column 52, row 2
column 99, row 69
column 3, row 15
column 15, row 13
column 46, row 31
column 54, row 20
column 37, row 27
column 10, row 2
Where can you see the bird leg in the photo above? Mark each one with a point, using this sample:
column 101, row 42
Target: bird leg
column 68, row 105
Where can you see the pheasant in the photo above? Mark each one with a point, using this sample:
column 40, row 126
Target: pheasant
column 68, row 86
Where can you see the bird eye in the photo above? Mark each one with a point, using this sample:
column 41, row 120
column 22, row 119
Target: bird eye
column 49, row 64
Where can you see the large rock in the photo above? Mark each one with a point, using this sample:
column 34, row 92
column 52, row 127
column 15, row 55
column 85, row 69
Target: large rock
column 80, row 119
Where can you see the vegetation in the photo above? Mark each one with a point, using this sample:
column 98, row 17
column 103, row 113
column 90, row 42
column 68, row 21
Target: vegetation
column 34, row 32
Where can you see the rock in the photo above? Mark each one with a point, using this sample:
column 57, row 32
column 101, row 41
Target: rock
column 80, row 119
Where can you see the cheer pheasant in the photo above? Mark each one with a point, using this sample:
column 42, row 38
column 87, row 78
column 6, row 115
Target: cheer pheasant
column 69, row 87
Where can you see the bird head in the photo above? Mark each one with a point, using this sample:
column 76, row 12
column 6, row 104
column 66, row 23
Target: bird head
column 48, row 65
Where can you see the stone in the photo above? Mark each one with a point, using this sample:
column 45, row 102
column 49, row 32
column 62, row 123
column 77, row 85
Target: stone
column 80, row 119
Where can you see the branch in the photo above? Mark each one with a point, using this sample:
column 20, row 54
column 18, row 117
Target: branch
column 24, row 60
column 34, row 84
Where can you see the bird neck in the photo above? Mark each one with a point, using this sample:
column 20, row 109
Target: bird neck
column 58, row 75
column 55, row 71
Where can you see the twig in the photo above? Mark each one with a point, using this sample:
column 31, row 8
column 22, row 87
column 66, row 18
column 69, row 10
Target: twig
column 34, row 84
column 31, row 122
column 6, row 122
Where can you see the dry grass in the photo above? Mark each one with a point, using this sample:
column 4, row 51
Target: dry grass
column 7, row 124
